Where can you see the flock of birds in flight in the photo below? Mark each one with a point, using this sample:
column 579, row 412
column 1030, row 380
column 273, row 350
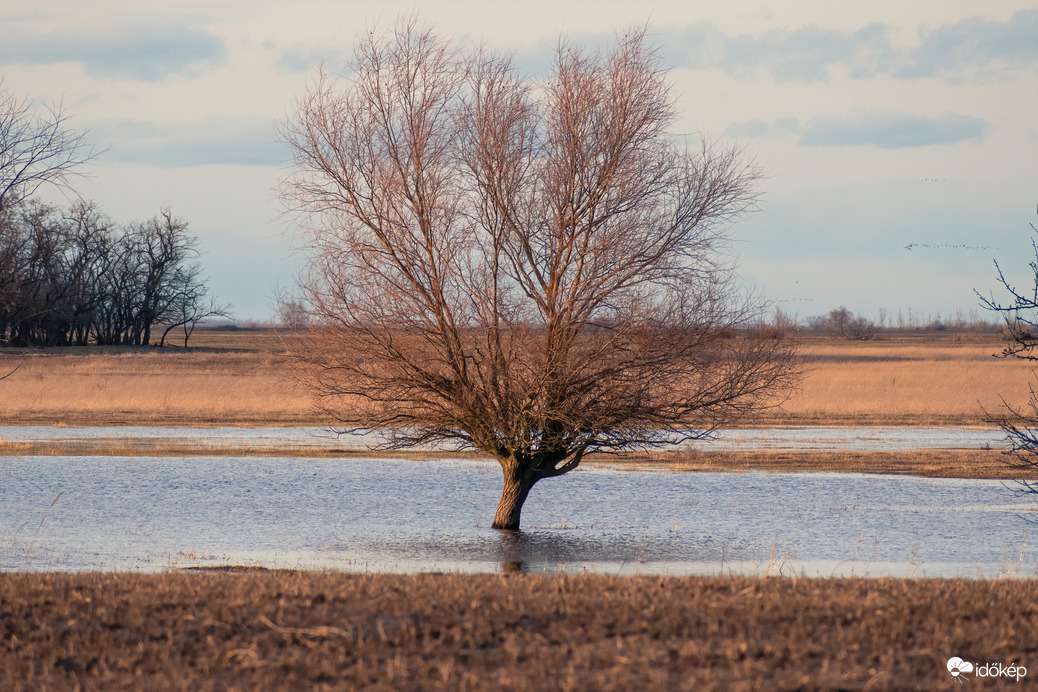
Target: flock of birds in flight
column 942, row 246
column 961, row 246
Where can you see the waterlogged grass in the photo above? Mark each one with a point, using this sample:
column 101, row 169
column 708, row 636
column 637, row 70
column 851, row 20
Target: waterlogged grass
column 306, row 630
column 933, row 463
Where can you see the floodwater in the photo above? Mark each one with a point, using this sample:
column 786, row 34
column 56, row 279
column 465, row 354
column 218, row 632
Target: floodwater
column 867, row 439
column 397, row 515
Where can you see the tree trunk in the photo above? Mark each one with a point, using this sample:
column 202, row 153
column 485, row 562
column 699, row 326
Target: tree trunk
column 519, row 478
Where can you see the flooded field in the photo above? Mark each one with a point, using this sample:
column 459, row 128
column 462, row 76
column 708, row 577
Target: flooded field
column 861, row 439
column 393, row 515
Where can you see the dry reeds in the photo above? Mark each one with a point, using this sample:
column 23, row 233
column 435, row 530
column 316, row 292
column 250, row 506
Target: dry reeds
column 932, row 463
column 904, row 383
column 157, row 387
column 243, row 378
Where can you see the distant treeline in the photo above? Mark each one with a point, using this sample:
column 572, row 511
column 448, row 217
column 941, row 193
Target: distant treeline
column 70, row 276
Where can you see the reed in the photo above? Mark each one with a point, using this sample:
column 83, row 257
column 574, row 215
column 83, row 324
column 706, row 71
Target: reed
column 244, row 377
column 933, row 463
column 902, row 382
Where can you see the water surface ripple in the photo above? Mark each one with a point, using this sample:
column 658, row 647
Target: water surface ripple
column 153, row 513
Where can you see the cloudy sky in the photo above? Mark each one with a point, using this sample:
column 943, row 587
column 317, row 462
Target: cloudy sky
column 900, row 137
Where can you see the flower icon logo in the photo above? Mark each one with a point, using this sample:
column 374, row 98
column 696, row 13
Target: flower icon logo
column 958, row 668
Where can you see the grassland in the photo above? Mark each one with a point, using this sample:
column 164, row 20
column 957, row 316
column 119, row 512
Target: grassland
column 293, row 630
column 243, row 377
column 929, row 378
column 232, row 377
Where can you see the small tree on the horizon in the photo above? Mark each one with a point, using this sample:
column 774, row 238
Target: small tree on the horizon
column 842, row 322
column 291, row 312
column 534, row 270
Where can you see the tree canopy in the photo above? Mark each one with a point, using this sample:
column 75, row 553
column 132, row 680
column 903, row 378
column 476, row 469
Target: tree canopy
column 36, row 148
column 534, row 269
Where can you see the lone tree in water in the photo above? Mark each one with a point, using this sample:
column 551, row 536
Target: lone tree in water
column 534, row 270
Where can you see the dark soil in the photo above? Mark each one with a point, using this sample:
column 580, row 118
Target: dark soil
column 315, row 630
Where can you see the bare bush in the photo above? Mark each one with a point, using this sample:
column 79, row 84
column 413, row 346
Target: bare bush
column 860, row 329
column 845, row 325
column 292, row 313
column 1020, row 315
column 534, row 270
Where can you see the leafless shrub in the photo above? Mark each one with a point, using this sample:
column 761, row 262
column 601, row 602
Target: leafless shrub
column 292, row 313
column 861, row 329
column 1020, row 315
column 845, row 325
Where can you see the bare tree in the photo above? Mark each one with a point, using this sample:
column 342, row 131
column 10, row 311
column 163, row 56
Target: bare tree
column 842, row 322
column 292, row 313
column 168, row 287
column 36, row 147
column 838, row 320
column 69, row 276
column 531, row 270
column 1020, row 315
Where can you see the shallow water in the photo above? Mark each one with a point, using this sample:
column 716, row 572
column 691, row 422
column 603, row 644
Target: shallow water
column 869, row 439
column 153, row 514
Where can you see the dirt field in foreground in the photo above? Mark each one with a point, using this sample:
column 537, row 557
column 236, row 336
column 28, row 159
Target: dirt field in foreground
column 315, row 630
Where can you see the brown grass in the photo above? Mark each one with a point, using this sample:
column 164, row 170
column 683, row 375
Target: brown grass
column 242, row 377
column 306, row 630
column 904, row 382
column 933, row 463
column 150, row 448
column 150, row 387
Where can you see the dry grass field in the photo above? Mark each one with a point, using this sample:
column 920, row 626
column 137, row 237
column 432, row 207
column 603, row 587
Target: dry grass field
column 242, row 377
column 931, row 379
column 308, row 630
column 931, row 463
column 228, row 377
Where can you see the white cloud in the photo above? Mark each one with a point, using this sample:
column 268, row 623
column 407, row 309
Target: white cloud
column 886, row 130
column 970, row 49
column 145, row 52
column 232, row 141
column 890, row 130
column 975, row 48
